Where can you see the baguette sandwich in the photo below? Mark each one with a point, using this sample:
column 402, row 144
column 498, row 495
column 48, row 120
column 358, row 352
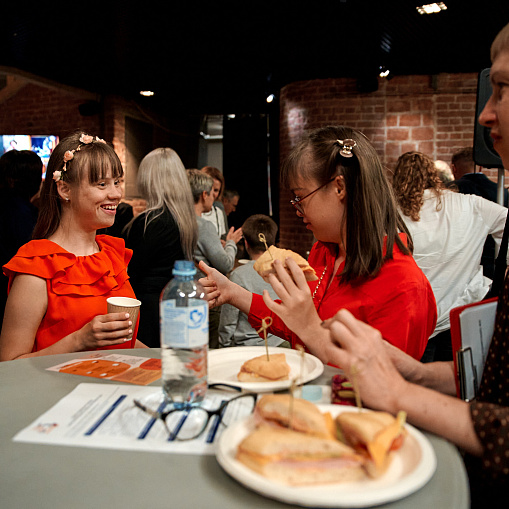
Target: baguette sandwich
column 374, row 435
column 299, row 415
column 293, row 458
column 259, row 369
column 265, row 264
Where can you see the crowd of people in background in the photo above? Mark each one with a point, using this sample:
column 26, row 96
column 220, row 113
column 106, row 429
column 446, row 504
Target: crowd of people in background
column 430, row 230
column 394, row 253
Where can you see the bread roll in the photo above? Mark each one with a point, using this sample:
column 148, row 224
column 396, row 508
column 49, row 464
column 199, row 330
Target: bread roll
column 259, row 369
column 264, row 265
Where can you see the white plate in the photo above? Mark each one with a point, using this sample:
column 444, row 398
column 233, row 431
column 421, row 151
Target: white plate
column 225, row 363
column 412, row 467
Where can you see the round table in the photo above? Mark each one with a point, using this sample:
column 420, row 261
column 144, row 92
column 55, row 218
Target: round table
column 48, row 476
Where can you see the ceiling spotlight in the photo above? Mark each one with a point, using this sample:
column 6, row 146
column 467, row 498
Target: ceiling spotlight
column 146, row 93
column 431, row 8
column 384, row 72
column 270, row 98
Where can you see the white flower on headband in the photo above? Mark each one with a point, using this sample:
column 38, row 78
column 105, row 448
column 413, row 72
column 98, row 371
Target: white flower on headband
column 68, row 155
column 85, row 139
column 347, row 146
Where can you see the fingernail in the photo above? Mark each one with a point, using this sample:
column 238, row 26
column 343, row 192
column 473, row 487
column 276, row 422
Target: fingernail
column 127, row 315
column 130, row 331
column 126, row 340
column 130, row 323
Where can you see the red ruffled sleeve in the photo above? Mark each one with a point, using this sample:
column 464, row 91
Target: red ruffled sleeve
column 67, row 274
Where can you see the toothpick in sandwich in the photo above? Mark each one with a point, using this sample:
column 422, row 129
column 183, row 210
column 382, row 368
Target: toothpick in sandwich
column 266, row 323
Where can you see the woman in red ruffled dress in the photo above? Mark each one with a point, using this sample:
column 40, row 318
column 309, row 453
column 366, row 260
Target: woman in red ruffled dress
column 59, row 282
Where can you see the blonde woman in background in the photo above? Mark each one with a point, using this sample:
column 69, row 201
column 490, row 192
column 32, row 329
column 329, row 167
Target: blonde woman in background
column 165, row 232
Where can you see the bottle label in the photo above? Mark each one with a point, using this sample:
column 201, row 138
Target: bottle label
column 184, row 327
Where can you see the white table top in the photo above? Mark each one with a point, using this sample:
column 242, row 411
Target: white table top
column 42, row 476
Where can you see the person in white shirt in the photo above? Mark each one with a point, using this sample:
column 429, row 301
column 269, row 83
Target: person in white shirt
column 448, row 230
column 216, row 215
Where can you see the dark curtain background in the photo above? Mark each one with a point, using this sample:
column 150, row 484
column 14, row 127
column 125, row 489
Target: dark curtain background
column 247, row 152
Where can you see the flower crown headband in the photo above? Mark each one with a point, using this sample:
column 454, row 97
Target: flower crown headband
column 85, row 139
column 346, row 147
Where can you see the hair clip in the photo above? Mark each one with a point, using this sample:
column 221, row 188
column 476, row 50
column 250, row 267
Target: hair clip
column 347, row 146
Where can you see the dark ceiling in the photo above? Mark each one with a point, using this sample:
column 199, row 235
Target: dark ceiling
column 225, row 57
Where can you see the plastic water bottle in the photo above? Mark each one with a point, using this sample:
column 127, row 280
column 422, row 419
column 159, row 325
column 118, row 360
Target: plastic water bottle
column 184, row 337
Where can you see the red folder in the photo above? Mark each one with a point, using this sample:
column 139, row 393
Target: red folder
column 472, row 327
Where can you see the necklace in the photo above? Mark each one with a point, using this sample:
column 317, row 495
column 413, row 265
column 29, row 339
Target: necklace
column 319, row 282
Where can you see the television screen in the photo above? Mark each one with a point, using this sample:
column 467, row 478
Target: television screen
column 42, row 145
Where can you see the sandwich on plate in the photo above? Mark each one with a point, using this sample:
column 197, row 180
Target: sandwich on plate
column 294, row 458
column 374, row 435
column 259, row 369
column 283, row 411
column 265, row 264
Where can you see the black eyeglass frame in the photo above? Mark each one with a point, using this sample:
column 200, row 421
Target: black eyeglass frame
column 210, row 413
column 296, row 202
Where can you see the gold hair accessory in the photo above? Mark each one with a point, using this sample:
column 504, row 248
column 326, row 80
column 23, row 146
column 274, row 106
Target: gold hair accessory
column 85, row 139
column 347, row 146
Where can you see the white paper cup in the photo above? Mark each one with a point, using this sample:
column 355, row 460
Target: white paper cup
column 126, row 305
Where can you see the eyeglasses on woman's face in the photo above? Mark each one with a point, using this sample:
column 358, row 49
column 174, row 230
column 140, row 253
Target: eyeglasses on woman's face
column 296, row 202
column 190, row 422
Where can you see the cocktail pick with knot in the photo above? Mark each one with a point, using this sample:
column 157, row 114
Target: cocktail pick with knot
column 266, row 323
column 261, row 238
column 294, row 384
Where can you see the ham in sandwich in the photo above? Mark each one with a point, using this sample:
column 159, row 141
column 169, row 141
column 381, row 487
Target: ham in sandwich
column 294, row 458
column 259, row 369
column 373, row 434
column 264, row 265
column 300, row 415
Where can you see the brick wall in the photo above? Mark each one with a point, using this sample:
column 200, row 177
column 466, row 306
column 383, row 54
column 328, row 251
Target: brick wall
column 430, row 114
column 38, row 109
column 30, row 105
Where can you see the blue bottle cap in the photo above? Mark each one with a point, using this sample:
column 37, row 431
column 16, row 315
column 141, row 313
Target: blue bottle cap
column 184, row 268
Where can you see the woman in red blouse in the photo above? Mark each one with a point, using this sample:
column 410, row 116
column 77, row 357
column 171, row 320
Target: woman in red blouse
column 59, row 283
column 391, row 381
column 362, row 256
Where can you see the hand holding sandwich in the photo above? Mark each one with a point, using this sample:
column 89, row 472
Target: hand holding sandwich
column 359, row 347
column 296, row 308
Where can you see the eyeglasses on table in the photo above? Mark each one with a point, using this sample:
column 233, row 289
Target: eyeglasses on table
column 190, row 422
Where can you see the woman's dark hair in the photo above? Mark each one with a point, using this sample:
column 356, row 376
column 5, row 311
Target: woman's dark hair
column 371, row 211
column 21, row 173
column 93, row 161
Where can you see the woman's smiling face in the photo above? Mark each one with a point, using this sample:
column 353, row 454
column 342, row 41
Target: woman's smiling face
column 94, row 205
